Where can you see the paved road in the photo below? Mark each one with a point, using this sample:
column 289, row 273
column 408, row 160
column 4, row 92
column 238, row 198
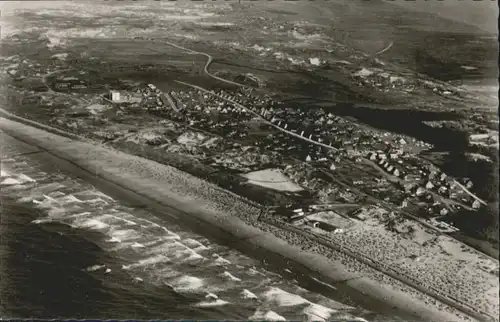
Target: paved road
column 207, row 64
column 385, row 49
column 470, row 193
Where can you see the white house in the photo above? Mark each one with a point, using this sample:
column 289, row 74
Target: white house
column 442, row 189
column 115, row 96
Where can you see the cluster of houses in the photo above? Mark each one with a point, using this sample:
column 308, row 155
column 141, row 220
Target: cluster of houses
column 70, row 83
column 446, row 189
column 245, row 98
column 424, row 181
column 151, row 98
column 383, row 161
column 320, row 137
column 298, row 216
column 229, row 123
column 147, row 96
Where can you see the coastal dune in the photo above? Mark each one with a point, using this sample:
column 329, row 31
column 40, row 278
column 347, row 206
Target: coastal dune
column 212, row 205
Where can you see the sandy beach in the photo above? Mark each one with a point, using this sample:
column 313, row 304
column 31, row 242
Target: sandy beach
column 208, row 203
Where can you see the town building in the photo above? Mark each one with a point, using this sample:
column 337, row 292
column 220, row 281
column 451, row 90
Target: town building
column 115, row 96
column 420, row 191
column 442, row 190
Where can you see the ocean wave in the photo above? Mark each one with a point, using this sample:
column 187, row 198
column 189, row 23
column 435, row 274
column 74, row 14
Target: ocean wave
column 283, row 298
column 168, row 256
column 246, row 294
column 220, row 261
column 268, row 316
column 10, row 182
column 94, row 268
column 187, row 283
column 217, row 302
column 148, row 261
column 231, row 277
column 92, row 224
column 124, row 234
column 316, row 312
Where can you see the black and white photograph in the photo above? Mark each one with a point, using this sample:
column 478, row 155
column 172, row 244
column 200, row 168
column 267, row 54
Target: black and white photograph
column 257, row 160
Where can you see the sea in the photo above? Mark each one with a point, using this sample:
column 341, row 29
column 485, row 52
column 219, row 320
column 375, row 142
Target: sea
column 69, row 250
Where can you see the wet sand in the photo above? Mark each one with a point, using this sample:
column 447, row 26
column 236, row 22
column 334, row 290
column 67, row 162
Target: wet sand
column 224, row 210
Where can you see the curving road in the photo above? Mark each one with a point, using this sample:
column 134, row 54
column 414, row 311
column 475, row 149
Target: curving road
column 385, row 49
column 207, row 64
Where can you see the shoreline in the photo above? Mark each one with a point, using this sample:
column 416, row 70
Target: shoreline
column 175, row 189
